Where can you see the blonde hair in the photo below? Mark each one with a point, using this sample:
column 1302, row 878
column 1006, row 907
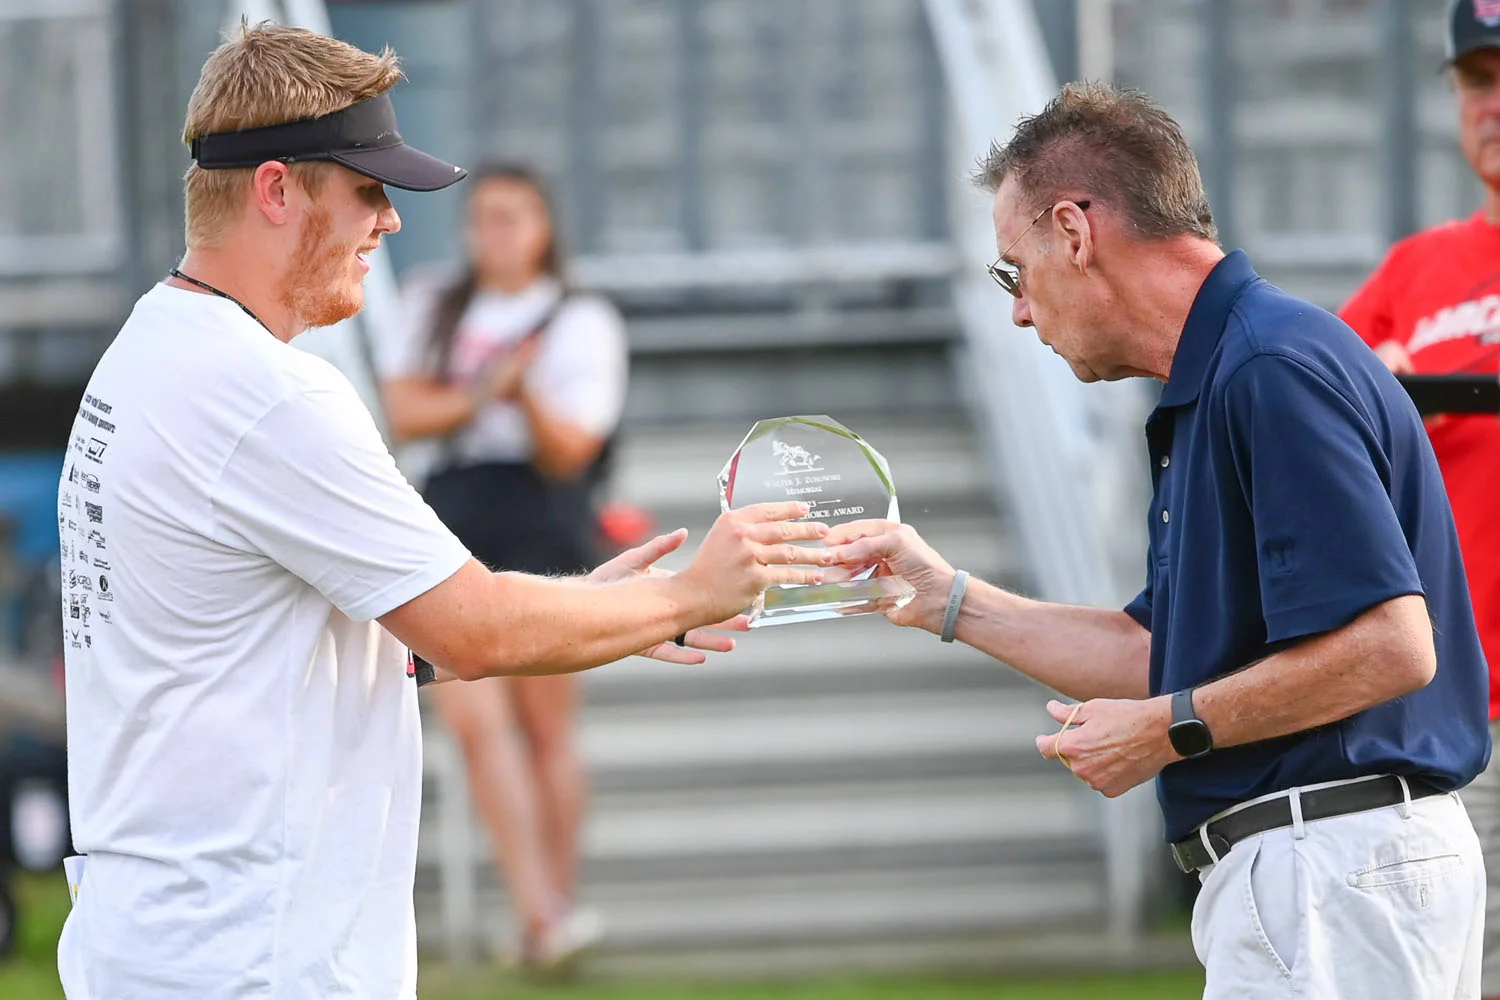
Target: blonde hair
column 268, row 75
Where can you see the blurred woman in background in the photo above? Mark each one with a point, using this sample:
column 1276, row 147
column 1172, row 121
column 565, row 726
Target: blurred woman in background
column 522, row 382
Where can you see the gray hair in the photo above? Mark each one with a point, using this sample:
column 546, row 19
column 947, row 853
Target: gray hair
column 1114, row 146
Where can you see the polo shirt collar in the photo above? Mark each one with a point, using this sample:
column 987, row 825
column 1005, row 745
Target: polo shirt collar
column 1204, row 326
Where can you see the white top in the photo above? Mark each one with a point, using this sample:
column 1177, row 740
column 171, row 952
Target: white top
column 579, row 375
column 244, row 754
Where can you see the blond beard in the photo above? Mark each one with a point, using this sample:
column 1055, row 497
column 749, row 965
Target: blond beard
column 315, row 287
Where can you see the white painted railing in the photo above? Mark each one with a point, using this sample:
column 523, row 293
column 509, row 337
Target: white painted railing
column 1057, row 444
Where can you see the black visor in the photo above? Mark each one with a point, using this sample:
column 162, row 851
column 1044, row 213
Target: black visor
column 362, row 137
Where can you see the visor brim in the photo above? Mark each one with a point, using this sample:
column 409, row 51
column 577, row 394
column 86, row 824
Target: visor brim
column 1476, row 45
column 402, row 166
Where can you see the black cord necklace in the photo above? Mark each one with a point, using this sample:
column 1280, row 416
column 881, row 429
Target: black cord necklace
column 223, row 295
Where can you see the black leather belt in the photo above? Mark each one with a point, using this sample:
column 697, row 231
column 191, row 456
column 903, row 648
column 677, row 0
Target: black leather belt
column 1322, row 803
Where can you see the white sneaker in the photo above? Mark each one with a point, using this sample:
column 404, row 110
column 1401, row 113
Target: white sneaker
column 566, row 939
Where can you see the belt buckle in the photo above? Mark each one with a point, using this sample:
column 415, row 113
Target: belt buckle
column 1182, row 862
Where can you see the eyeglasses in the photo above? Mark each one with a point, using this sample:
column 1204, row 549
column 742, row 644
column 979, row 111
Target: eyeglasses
column 1007, row 277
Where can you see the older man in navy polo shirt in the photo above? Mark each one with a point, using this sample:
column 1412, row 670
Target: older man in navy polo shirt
column 1301, row 673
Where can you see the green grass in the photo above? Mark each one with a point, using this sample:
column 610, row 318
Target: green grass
column 31, row 974
column 446, row 984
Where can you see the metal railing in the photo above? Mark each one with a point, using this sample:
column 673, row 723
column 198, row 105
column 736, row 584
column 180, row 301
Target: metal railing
column 1056, row 445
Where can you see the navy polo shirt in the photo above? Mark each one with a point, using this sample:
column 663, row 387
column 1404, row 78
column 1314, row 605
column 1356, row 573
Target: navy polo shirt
column 1294, row 489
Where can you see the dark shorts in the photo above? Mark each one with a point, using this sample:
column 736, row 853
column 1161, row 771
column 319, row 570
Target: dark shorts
column 510, row 518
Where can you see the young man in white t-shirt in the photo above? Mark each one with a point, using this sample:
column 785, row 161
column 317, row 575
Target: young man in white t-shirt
column 244, row 571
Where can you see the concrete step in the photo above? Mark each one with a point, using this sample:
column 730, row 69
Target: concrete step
column 766, row 911
column 684, row 875
column 778, row 747
column 929, row 903
column 710, row 685
column 769, row 730
column 830, row 827
column 836, row 818
column 688, row 389
column 1081, row 946
column 842, row 652
column 932, row 460
column 790, row 330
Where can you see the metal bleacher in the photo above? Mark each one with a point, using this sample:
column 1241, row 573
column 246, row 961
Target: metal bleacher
column 764, row 188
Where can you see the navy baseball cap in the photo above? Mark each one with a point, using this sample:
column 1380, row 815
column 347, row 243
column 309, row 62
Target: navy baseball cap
column 362, row 137
column 1472, row 25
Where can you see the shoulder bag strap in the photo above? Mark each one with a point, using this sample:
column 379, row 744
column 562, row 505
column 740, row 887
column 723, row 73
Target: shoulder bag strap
column 445, row 333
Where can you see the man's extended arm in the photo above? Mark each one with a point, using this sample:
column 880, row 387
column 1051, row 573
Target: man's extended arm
column 1383, row 654
column 478, row 623
column 1081, row 652
column 1100, row 656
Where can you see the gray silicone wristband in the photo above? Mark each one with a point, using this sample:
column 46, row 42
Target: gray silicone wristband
column 955, row 602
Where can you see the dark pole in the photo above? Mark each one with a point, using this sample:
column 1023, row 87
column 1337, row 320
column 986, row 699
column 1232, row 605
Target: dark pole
column 1399, row 136
column 582, row 173
column 934, row 178
column 159, row 46
column 131, row 38
column 1058, row 20
column 690, row 186
column 1219, row 89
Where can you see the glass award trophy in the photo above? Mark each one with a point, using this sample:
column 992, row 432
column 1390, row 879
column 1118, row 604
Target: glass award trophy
column 832, row 469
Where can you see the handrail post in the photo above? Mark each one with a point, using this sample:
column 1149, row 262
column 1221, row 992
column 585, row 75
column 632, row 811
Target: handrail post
column 1033, row 415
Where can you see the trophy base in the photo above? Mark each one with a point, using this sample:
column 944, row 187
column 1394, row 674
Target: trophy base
column 791, row 604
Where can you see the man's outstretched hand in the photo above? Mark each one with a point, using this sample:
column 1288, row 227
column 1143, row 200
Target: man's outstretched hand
column 641, row 561
column 894, row 550
column 746, row 551
column 749, row 550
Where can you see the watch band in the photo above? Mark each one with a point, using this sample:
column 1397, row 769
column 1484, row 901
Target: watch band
column 1188, row 734
column 955, row 602
column 1182, row 706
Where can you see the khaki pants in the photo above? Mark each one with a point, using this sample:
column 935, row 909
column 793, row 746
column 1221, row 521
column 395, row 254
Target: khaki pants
column 1482, row 799
column 1374, row 905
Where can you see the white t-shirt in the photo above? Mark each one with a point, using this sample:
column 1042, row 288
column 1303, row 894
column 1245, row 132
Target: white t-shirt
column 244, row 754
column 579, row 375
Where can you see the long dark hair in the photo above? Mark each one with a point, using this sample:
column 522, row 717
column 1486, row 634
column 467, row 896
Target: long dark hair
column 454, row 301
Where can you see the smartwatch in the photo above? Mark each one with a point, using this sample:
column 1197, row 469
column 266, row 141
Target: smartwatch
column 1188, row 733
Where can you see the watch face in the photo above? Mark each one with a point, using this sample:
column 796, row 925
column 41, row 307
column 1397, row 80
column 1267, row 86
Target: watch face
column 1190, row 737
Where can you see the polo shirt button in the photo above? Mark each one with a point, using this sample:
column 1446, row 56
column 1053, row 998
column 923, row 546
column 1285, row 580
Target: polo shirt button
column 1165, row 517
column 1166, row 460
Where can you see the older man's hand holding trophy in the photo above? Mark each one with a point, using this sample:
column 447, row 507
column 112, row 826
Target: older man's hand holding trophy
column 834, row 471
